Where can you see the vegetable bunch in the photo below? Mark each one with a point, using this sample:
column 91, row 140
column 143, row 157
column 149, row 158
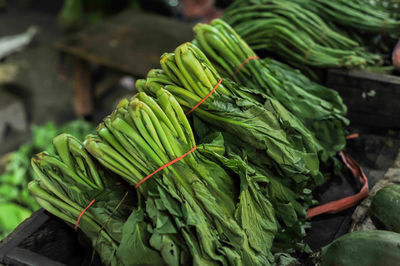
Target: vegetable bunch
column 68, row 181
column 281, row 139
column 320, row 109
column 196, row 211
column 294, row 34
column 16, row 204
column 367, row 16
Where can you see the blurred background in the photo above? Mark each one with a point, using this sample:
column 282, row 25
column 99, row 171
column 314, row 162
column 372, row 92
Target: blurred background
column 64, row 65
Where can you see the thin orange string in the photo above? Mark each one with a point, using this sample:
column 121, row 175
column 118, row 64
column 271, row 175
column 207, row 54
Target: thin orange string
column 166, row 165
column 80, row 215
column 242, row 64
column 205, row 98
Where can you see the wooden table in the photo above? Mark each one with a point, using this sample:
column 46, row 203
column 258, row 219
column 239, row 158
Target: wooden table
column 131, row 42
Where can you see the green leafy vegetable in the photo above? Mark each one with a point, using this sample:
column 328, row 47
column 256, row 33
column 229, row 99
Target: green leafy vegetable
column 67, row 182
column 17, row 174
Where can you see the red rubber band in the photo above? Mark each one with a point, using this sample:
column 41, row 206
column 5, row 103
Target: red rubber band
column 165, row 165
column 347, row 202
column 242, row 64
column 205, row 98
column 353, row 136
column 80, row 215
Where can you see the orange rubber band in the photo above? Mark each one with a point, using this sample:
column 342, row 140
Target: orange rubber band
column 242, row 64
column 307, row 53
column 347, row 202
column 165, row 165
column 80, row 215
column 352, row 136
column 205, row 98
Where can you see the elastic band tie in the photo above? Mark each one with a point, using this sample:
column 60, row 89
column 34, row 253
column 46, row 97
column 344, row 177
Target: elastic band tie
column 324, row 34
column 383, row 26
column 205, row 98
column 166, row 165
column 352, row 136
column 242, row 64
column 80, row 215
column 307, row 54
column 312, row 46
column 347, row 202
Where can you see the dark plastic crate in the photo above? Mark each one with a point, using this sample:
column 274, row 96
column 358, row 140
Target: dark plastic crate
column 44, row 239
column 372, row 99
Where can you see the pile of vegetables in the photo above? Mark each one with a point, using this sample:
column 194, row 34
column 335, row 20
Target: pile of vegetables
column 220, row 203
column 198, row 168
column 193, row 203
column 214, row 160
column 15, row 202
column 294, row 34
column 193, row 211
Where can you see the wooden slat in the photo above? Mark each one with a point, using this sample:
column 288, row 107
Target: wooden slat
column 131, row 42
column 82, row 88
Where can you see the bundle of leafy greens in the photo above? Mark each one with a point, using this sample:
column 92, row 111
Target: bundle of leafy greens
column 68, row 181
column 362, row 16
column 15, row 202
column 296, row 35
column 372, row 23
column 320, row 109
column 199, row 214
column 284, row 145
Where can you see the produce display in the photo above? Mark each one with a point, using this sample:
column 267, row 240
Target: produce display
column 217, row 201
column 215, row 159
